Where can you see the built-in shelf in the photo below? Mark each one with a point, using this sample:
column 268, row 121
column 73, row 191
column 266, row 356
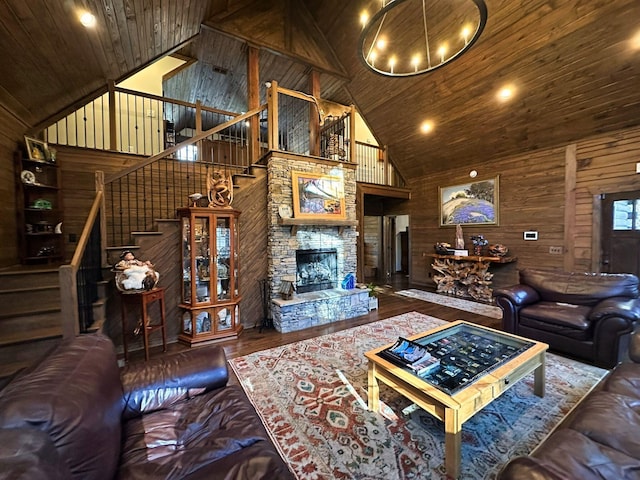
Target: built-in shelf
column 294, row 223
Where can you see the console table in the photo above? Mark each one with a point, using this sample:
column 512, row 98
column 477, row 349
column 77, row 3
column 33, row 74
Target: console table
column 466, row 276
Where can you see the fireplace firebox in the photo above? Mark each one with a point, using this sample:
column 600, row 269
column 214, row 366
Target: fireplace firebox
column 316, row 269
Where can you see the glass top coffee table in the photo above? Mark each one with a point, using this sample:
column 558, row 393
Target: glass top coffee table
column 454, row 371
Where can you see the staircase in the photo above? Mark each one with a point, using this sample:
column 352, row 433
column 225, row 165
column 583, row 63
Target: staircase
column 30, row 321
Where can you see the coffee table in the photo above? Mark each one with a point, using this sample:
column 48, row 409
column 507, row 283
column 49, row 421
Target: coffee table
column 474, row 366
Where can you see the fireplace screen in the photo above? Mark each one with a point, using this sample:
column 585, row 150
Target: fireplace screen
column 317, row 269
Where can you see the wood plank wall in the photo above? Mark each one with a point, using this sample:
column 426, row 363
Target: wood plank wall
column 10, row 138
column 533, row 196
column 605, row 164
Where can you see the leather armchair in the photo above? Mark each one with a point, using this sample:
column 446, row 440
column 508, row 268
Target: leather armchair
column 585, row 315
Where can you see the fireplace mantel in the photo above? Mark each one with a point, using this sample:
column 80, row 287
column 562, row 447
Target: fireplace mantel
column 294, row 223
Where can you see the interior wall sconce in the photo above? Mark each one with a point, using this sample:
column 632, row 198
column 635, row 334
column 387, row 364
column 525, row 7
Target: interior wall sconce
column 412, row 37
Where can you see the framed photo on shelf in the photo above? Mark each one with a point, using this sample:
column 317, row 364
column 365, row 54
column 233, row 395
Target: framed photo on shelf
column 473, row 203
column 36, row 149
column 318, row 196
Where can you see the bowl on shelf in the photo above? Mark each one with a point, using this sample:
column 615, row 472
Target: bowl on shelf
column 443, row 248
column 498, row 250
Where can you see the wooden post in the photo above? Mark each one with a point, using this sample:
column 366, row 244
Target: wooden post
column 314, row 114
column 272, row 119
column 570, row 175
column 199, row 128
column 99, row 176
column 385, row 159
column 253, row 94
column 352, row 135
column 69, row 316
column 113, row 135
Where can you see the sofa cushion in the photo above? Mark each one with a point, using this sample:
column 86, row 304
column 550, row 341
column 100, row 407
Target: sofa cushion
column 579, row 288
column 610, row 419
column 75, row 396
column 624, row 380
column 29, row 454
column 203, row 437
column 572, row 455
column 569, row 320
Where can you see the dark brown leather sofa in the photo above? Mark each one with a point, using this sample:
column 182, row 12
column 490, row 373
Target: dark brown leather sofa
column 600, row 440
column 589, row 316
column 76, row 415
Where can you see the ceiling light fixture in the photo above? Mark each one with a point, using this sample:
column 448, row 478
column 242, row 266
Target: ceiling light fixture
column 88, row 19
column 419, row 35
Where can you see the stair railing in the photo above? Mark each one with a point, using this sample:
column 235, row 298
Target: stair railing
column 154, row 188
column 79, row 279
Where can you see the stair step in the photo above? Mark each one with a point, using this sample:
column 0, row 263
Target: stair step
column 24, row 279
column 18, row 337
column 13, row 299
column 151, row 233
column 26, row 316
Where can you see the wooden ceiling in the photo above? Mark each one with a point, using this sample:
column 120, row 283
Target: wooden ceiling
column 574, row 64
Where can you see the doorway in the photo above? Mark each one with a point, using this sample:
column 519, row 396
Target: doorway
column 396, row 248
column 621, row 233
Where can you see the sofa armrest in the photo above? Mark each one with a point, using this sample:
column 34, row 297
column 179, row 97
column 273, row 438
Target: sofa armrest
column 161, row 382
column 518, row 295
column 627, row 308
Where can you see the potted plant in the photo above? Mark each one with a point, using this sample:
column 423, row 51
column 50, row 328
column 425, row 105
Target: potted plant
column 373, row 297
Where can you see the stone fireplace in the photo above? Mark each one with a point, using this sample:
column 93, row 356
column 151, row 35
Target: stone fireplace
column 319, row 255
column 316, row 269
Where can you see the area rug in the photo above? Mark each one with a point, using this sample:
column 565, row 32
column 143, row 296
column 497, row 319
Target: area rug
column 311, row 396
column 459, row 303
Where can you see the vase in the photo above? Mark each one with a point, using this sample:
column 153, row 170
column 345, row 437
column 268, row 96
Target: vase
column 477, row 250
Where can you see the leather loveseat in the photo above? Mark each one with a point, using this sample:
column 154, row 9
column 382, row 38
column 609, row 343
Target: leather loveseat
column 599, row 440
column 77, row 415
column 585, row 315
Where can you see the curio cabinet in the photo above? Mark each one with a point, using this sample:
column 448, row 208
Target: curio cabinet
column 210, row 290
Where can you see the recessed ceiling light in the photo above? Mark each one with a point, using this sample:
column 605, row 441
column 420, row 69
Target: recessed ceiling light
column 635, row 41
column 506, row 93
column 88, row 19
column 427, row 126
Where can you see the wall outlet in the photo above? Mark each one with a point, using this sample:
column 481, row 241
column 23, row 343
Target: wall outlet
column 555, row 250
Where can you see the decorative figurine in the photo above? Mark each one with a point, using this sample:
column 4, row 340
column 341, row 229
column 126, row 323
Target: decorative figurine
column 220, row 189
column 133, row 274
column 459, row 238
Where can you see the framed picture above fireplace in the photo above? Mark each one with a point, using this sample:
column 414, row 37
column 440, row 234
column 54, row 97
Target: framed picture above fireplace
column 318, row 196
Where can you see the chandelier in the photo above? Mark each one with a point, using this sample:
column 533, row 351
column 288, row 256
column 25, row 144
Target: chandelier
column 411, row 37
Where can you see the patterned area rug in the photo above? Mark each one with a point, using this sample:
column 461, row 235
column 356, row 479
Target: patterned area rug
column 312, row 397
column 459, row 303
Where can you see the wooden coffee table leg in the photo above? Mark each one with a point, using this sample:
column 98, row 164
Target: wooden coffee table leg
column 538, row 377
column 373, row 395
column 452, row 442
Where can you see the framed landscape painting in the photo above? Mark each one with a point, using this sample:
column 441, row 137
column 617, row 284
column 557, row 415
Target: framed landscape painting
column 318, row 196
column 473, row 203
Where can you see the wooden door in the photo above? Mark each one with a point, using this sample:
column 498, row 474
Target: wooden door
column 621, row 232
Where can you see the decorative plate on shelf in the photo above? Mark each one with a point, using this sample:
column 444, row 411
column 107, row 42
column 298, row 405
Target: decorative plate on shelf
column 285, row 211
column 28, row 177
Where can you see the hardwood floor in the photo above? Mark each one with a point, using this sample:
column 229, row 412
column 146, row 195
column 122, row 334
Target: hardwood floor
column 390, row 304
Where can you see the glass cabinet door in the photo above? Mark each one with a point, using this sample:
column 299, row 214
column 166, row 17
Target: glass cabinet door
column 202, row 273
column 186, row 260
column 224, row 262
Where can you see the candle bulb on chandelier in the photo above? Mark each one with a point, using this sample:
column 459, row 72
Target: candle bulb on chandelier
column 415, row 61
column 392, row 62
column 466, row 31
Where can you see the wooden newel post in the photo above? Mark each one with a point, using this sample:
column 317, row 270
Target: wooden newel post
column 352, row 135
column 314, row 115
column 113, row 131
column 272, row 112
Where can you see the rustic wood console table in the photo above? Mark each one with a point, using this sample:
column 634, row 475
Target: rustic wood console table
column 466, row 276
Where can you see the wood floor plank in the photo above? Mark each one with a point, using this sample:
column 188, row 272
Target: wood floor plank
column 390, row 304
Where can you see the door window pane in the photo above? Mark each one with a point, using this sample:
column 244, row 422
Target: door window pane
column 624, row 214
